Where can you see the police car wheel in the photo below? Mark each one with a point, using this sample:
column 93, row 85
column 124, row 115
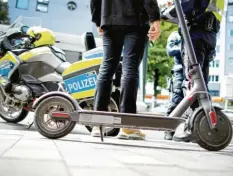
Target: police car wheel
column 50, row 128
column 212, row 140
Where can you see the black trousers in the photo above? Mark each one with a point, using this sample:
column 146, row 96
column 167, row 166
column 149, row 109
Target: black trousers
column 133, row 39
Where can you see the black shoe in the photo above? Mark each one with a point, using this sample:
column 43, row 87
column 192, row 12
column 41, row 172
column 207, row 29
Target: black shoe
column 169, row 135
column 184, row 137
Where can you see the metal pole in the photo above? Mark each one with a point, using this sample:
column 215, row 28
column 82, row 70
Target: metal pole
column 185, row 32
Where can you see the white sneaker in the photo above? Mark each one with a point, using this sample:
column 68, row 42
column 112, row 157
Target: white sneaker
column 96, row 131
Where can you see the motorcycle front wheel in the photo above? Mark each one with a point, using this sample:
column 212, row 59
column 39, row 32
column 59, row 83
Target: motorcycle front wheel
column 11, row 114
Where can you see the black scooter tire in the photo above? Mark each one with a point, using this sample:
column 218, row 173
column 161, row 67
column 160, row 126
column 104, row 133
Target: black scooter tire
column 39, row 114
column 209, row 139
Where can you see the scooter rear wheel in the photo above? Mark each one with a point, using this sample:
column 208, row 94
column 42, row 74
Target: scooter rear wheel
column 210, row 139
column 50, row 128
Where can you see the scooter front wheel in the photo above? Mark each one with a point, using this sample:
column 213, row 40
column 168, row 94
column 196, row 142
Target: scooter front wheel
column 212, row 140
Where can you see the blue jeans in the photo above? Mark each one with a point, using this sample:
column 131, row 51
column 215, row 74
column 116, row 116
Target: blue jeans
column 177, row 92
column 133, row 39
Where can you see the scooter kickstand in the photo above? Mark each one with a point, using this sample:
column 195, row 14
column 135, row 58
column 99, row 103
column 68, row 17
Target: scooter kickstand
column 30, row 125
column 101, row 134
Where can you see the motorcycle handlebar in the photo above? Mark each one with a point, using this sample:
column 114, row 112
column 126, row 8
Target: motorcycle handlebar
column 7, row 43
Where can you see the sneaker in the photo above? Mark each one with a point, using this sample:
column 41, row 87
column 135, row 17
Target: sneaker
column 169, row 135
column 96, row 131
column 131, row 134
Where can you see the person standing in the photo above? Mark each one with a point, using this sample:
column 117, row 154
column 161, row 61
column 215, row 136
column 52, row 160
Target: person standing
column 121, row 23
column 174, row 50
column 203, row 17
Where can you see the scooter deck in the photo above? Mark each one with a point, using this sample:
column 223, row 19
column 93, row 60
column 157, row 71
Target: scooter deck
column 122, row 120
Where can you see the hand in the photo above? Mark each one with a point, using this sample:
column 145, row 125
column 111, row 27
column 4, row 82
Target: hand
column 100, row 31
column 154, row 31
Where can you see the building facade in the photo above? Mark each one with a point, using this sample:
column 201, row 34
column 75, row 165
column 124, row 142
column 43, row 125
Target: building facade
column 222, row 66
column 69, row 19
column 64, row 16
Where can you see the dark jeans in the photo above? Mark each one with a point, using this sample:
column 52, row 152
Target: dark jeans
column 203, row 50
column 114, row 38
column 177, row 91
column 203, row 43
column 177, row 95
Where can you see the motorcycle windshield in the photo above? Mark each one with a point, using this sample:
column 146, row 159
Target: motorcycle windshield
column 22, row 24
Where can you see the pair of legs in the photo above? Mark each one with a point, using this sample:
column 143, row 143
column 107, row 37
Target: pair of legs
column 177, row 91
column 203, row 49
column 133, row 39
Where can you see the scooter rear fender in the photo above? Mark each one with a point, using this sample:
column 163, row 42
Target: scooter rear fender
column 56, row 93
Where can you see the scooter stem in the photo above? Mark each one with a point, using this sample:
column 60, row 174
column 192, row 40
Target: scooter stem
column 205, row 102
column 185, row 32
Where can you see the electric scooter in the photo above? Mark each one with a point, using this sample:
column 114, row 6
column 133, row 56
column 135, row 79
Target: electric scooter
column 210, row 127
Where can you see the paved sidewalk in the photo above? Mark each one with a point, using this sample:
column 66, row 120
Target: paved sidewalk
column 27, row 153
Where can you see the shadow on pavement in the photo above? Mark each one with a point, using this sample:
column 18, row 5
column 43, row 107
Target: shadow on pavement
column 227, row 152
column 17, row 126
column 24, row 127
column 132, row 145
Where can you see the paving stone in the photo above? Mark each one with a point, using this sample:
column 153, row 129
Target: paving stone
column 137, row 159
column 9, row 137
column 207, row 161
column 10, row 167
column 6, row 144
column 33, row 154
column 11, row 132
column 87, row 160
column 222, row 173
column 103, row 172
column 41, row 144
column 164, row 171
column 63, row 145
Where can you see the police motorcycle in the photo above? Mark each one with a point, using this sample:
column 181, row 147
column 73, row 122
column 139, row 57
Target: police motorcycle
column 22, row 82
column 29, row 66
